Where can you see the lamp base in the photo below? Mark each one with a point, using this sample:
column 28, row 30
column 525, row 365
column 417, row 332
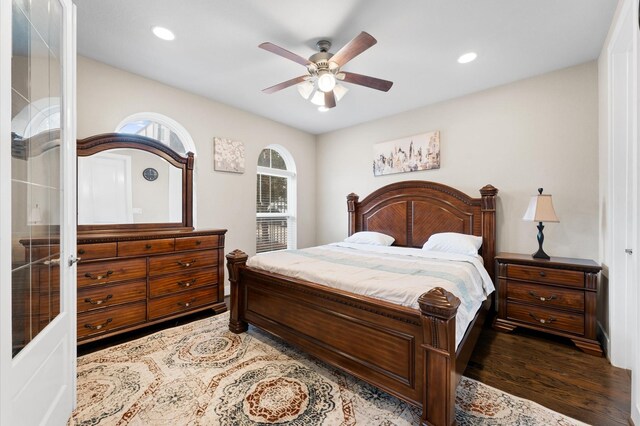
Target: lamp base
column 540, row 254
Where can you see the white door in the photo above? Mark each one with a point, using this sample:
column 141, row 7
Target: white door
column 622, row 58
column 37, row 212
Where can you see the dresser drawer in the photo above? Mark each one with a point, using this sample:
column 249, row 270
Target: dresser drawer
column 546, row 275
column 545, row 295
column 159, row 265
column 180, row 281
column 142, row 247
column 546, row 318
column 95, row 273
column 103, row 296
column 193, row 243
column 102, row 321
column 97, row 251
column 182, row 301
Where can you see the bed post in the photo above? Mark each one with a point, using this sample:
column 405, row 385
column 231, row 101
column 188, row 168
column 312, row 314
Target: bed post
column 352, row 199
column 488, row 208
column 235, row 260
column 438, row 309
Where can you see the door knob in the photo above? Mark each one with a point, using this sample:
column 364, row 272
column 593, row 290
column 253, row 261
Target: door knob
column 628, row 251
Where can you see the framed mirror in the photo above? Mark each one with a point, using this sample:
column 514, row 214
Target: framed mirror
column 128, row 182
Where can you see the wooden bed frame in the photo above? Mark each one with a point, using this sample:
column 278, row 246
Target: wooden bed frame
column 406, row 352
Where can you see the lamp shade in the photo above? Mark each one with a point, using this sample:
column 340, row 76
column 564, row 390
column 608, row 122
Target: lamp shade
column 541, row 209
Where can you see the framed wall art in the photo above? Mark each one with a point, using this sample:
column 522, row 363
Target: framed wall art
column 228, row 155
column 409, row 154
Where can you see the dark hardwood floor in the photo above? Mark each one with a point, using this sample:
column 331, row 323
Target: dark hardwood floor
column 553, row 372
column 545, row 369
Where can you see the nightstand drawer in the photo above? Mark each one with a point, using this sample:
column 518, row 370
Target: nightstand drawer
column 546, row 318
column 546, row 275
column 545, row 295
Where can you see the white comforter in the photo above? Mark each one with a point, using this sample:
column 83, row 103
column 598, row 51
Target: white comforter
column 395, row 274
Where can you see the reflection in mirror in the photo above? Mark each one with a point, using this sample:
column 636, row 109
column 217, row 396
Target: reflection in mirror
column 128, row 186
column 35, row 168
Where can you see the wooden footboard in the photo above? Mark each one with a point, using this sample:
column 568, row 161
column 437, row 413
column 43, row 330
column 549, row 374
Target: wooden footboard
column 409, row 353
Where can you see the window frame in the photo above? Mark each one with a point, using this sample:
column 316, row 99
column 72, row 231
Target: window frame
column 291, row 214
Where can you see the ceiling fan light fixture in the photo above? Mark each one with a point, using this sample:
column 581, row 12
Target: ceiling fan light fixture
column 163, row 33
column 318, row 98
column 305, row 89
column 326, row 81
column 323, row 108
column 339, row 91
column 467, row 57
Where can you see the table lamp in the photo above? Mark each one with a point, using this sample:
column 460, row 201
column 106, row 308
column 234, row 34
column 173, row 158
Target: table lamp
column 541, row 210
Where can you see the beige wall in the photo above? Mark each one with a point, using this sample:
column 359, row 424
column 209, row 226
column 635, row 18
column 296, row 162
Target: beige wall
column 107, row 95
column 539, row 132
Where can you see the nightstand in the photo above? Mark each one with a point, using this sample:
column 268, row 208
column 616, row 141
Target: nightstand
column 556, row 296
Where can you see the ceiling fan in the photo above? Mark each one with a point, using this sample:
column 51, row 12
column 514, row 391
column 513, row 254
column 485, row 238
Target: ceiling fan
column 324, row 71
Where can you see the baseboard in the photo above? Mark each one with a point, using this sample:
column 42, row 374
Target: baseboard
column 603, row 337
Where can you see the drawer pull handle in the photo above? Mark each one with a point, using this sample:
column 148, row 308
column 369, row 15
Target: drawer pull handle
column 543, row 274
column 147, row 246
column 81, row 251
column 187, row 283
column 99, row 326
column 542, row 298
column 198, row 242
column 98, row 277
column 186, row 304
column 99, row 301
column 542, row 320
column 187, row 264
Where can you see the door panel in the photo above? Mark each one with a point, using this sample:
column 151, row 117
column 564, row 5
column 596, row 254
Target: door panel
column 37, row 226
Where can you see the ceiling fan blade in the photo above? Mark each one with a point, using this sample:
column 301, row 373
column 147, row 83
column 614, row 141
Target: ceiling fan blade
column 285, row 84
column 365, row 80
column 359, row 44
column 329, row 99
column 270, row 47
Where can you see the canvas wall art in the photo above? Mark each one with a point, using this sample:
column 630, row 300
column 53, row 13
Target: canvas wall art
column 228, row 155
column 410, row 154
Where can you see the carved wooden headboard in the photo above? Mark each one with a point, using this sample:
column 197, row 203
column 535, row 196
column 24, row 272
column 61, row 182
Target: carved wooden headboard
column 411, row 211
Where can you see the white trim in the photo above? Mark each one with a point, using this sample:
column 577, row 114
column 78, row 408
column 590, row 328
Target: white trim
column 268, row 171
column 184, row 137
column 274, row 215
column 5, row 209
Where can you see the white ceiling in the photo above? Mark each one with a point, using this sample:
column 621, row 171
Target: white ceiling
column 215, row 53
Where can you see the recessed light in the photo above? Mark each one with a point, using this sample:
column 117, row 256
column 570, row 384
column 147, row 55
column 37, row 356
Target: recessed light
column 163, row 33
column 323, row 109
column 467, row 57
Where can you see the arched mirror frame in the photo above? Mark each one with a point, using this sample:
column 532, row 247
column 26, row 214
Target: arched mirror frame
column 107, row 141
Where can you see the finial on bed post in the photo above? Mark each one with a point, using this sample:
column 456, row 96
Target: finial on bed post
column 488, row 207
column 438, row 309
column 235, row 260
column 352, row 199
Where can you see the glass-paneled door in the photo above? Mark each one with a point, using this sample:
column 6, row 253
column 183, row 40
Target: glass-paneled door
column 37, row 211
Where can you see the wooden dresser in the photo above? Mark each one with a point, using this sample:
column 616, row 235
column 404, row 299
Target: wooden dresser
column 555, row 296
column 132, row 279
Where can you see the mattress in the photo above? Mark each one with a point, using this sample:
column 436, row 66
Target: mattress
column 395, row 274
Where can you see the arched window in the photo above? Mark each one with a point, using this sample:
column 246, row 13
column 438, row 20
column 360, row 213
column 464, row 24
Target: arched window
column 172, row 134
column 159, row 127
column 275, row 200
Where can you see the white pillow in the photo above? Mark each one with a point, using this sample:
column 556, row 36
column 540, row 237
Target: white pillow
column 452, row 242
column 370, row 237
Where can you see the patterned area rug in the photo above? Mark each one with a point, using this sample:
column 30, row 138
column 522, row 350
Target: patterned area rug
column 201, row 374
